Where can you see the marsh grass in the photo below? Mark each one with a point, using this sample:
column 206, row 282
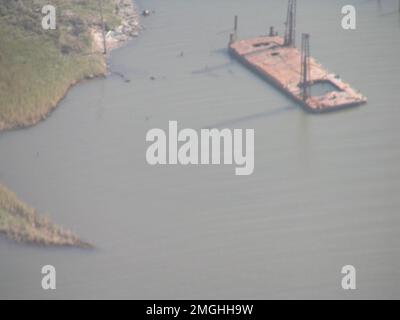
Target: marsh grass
column 37, row 67
column 21, row 223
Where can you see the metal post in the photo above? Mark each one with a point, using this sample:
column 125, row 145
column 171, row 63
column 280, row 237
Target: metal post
column 103, row 28
column 271, row 31
column 290, row 31
column 236, row 27
column 305, row 66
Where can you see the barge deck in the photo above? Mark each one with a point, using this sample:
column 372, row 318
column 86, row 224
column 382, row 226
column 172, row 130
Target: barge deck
column 282, row 64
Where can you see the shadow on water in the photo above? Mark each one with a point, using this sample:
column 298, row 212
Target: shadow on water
column 207, row 69
column 393, row 13
column 223, row 51
column 267, row 114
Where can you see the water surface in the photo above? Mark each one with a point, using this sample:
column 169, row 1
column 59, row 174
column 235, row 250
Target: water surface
column 325, row 191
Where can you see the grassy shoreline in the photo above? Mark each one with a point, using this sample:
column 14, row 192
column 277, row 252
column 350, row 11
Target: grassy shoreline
column 21, row 223
column 38, row 68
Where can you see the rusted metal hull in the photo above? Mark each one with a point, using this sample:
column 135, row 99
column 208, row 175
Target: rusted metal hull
column 280, row 65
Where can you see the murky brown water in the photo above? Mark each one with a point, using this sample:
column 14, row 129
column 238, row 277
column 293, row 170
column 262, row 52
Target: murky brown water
column 325, row 191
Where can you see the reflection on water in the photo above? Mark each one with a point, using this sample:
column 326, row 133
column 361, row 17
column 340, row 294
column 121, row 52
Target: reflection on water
column 321, row 88
column 324, row 192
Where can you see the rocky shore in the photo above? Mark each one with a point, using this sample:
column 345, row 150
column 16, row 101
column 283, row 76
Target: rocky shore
column 128, row 29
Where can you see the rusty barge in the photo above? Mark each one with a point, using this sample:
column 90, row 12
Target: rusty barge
column 294, row 71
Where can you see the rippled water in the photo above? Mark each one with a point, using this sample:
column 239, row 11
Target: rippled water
column 325, row 191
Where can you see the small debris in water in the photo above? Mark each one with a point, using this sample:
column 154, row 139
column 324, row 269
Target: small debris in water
column 146, row 13
column 122, row 76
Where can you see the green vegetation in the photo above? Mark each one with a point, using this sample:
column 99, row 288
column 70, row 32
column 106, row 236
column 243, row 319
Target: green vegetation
column 38, row 66
column 21, row 223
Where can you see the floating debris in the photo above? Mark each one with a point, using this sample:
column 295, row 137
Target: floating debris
column 146, row 13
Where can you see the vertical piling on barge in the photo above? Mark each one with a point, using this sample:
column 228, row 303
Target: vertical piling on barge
column 290, row 32
column 305, row 67
column 234, row 36
column 236, row 25
column 271, row 31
